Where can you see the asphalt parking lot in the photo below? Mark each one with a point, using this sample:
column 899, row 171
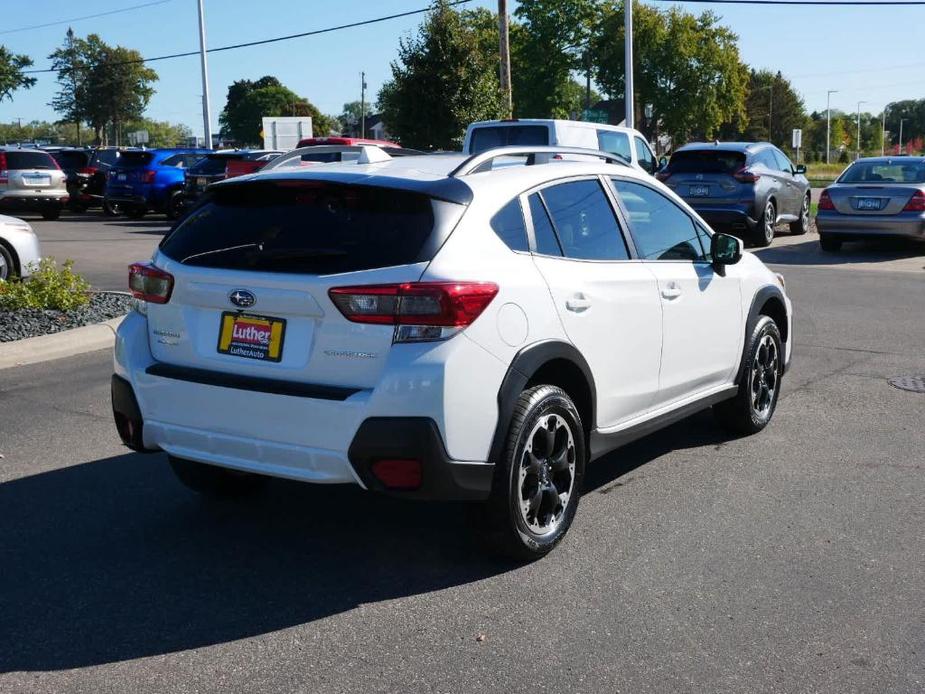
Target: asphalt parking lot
column 790, row 561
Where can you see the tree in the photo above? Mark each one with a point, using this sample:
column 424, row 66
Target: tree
column 445, row 78
column 349, row 119
column 11, row 73
column 161, row 133
column 687, row 67
column 71, row 68
column 238, row 89
column 248, row 102
column 772, row 109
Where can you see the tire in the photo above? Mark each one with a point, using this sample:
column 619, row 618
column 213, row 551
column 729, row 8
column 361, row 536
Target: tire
column 135, row 212
column 174, row 207
column 213, row 481
column 111, row 209
column 522, row 521
column 764, row 232
column 7, row 263
column 51, row 213
column 829, row 243
column 801, row 226
column 77, row 207
column 759, row 387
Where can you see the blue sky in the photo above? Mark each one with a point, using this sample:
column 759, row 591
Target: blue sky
column 867, row 53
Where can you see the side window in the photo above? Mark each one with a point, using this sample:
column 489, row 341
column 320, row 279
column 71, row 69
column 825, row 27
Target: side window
column 509, row 225
column 614, row 142
column 783, row 163
column 765, row 158
column 644, row 155
column 661, row 229
column 584, row 221
column 546, row 243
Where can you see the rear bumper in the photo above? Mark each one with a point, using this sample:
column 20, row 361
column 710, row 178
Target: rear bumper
column 734, row 218
column 126, row 199
column 32, row 201
column 907, row 225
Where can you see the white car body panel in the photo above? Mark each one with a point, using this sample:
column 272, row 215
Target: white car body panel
column 19, row 237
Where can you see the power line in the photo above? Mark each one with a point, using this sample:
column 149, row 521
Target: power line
column 834, row 3
column 87, row 16
column 272, row 40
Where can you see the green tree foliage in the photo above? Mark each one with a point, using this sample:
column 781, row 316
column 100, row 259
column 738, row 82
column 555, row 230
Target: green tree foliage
column 445, row 77
column 773, row 109
column 11, row 73
column 688, row 67
column 349, row 119
column 912, row 112
column 248, row 102
column 100, row 84
column 161, row 133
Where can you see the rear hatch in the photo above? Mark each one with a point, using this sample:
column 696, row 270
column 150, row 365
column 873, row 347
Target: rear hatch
column 253, row 265
column 130, row 171
column 27, row 171
column 208, row 170
column 707, row 176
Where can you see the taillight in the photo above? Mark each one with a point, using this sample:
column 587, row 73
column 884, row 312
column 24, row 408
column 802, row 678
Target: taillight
column 916, row 202
column 663, row 175
column 743, row 175
column 825, row 201
column 149, row 283
column 148, row 176
column 4, row 174
column 421, row 311
column 87, row 171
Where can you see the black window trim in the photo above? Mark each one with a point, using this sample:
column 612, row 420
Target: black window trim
column 528, row 227
column 629, row 227
column 608, row 193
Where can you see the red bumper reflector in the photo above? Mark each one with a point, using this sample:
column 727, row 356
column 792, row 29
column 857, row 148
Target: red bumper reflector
column 398, row 474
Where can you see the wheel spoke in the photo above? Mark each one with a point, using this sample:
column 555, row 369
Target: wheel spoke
column 560, row 463
column 532, row 465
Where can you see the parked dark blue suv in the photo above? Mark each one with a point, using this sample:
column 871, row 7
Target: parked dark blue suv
column 746, row 188
column 145, row 180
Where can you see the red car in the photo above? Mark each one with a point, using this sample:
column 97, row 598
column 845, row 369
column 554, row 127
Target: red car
column 350, row 141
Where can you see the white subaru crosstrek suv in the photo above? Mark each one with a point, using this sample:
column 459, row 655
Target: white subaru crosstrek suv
column 434, row 328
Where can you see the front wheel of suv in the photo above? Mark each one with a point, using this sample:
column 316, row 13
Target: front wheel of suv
column 538, row 481
column 759, row 386
column 214, row 481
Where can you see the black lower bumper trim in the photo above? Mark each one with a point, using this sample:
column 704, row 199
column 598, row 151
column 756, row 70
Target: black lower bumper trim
column 417, row 438
column 127, row 415
column 253, row 383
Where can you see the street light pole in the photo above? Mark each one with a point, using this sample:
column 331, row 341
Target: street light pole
column 901, row 135
column 505, row 52
column 362, row 104
column 883, row 132
column 828, row 123
column 858, row 143
column 771, row 112
column 206, row 107
column 628, row 58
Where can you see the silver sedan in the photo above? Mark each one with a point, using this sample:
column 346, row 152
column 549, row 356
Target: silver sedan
column 874, row 197
column 19, row 248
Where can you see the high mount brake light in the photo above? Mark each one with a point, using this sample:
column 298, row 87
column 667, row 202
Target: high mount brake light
column 916, row 202
column 825, row 201
column 743, row 175
column 421, row 311
column 150, row 283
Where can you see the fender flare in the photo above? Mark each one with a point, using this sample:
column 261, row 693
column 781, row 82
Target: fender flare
column 522, row 368
column 754, row 313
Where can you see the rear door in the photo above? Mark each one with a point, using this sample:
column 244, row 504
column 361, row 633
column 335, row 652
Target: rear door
column 608, row 303
column 791, row 192
column 252, row 268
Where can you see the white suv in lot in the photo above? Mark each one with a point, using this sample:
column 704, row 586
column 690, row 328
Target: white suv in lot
column 435, row 328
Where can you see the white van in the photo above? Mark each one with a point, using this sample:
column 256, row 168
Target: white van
column 626, row 143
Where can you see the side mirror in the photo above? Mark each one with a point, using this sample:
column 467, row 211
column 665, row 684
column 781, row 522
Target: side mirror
column 726, row 250
column 662, row 163
column 800, row 169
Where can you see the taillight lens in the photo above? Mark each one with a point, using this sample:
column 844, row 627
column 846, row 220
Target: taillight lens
column 663, row 175
column 421, row 311
column 87, row 171
column 4, row 174
column 825, row 201
column 148, row 176
column 916, row 202
column 149, row 283
column 743, row 175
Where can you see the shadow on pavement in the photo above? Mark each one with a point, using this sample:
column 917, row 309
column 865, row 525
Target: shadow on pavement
column 113, row 559
column 852, row 252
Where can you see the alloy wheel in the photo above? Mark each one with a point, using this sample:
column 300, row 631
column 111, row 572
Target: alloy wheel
column 547, row 474
column 769, row 219
column 804, row 213
column 765, row 375
column 4, row 267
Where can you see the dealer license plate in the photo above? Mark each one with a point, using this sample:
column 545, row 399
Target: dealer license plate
column 252, row 337
column 700, row 191
column 868, row 203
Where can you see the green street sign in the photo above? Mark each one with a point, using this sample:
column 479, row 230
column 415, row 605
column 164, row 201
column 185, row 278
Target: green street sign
column 594, row 115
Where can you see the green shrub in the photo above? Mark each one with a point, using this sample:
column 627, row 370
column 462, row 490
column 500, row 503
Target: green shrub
column 48, row 288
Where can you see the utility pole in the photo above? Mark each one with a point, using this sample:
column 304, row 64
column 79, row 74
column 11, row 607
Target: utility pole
column 505, row 52
column 883, row 132
column 858, row 143
column 362, row 104
column 828, row 123
column 771, row 112
column 901, row 135
column 628, row 63
column 206, row 107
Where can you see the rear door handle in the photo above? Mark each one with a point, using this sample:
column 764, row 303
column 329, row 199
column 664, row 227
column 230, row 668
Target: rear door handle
column 672, row 290
column 577, row 304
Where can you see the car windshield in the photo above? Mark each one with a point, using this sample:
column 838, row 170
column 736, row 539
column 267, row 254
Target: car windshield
column 706, row 161
column 212, row 165
column 884, row 172
column 71, row 159
column 303, row 227
column 489, row 137
column 28, row 160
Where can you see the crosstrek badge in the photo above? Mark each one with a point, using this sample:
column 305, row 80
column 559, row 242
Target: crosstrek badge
column 252, row 337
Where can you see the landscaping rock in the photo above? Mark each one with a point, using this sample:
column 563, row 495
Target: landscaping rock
column 16, row 325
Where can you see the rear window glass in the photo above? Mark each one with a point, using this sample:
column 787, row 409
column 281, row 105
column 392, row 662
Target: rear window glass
column 884, row 172
column 706, row 161
column 304, row 227
column 135, row 158
column 28, row 160
column 72, row 160
column 106, row 156
column 507, row 135
column 211, row 166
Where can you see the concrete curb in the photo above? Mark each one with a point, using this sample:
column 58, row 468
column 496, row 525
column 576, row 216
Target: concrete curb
column 67, row 343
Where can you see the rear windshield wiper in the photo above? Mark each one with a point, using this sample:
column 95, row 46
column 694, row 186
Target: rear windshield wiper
column 277, row 254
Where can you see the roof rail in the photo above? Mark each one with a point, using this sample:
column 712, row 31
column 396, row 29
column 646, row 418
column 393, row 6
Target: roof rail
column 477, row 161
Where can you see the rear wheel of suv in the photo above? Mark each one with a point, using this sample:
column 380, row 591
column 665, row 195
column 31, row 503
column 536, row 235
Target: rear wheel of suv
column 214, row 481
column 111, row 209
column 51, row 213
column 829, row 243
column 764, row 232
column 174, row 208
column 801, row 226
column 538, row 481
column 759, row 387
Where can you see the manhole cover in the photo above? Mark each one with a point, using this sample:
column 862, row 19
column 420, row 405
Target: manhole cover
column 916, row 384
